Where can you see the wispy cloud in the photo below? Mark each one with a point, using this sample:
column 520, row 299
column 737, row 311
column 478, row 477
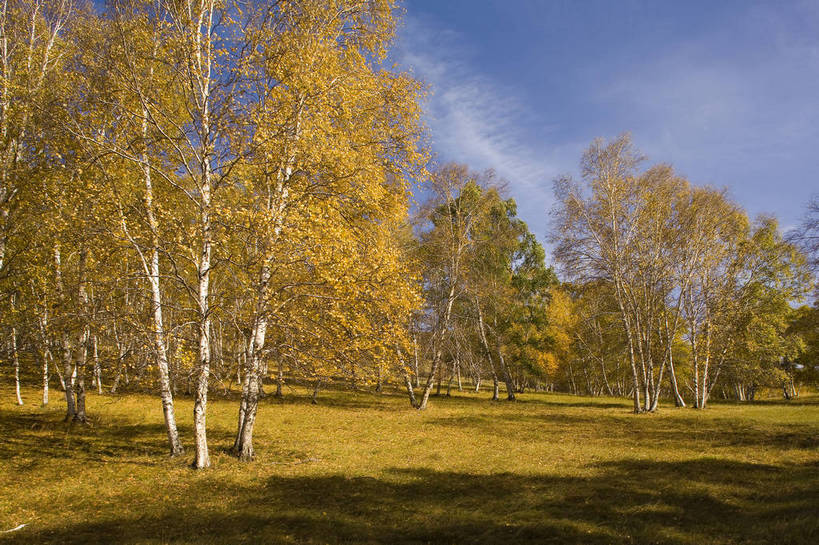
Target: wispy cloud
column 478, row 121
column 731, row 105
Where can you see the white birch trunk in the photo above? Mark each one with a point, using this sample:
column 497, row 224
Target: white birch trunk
column 244, row 440
column 201, row 457
column 97, row 368
column 45, row 357
column 68, row 364
column 201, row 85
column 84, row 338
column 438, row 352
column 16, row 365
column 160, row 348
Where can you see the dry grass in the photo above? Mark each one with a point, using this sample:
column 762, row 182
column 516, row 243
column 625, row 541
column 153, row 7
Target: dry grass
column 363, row 468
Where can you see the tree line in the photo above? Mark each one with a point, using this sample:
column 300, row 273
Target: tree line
column 201, row 196
column 675, row 289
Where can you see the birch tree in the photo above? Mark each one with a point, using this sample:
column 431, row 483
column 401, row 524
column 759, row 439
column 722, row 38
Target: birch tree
column 449, row 222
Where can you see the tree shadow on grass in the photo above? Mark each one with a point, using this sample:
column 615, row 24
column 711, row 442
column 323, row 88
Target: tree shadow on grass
column 116, row 439
column 628, row 501
column 37, row 439
column 638, row 428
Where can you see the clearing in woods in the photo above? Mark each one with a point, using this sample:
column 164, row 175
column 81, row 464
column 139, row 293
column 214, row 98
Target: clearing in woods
column 364, row 468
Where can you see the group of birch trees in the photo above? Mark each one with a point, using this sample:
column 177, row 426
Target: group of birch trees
column 674, row 289
column 486, row 285
column 205, row 195
column 190, row 189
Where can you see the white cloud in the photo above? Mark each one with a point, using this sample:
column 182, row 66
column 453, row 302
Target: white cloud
column 478, row 121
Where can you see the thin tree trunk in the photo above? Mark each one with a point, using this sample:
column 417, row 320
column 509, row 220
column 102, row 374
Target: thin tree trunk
column 45, row 354
column 570, row 370
column 45, row 357
column 122, row 350
column 85, row 336
column 510, row 387
column 599, row 331
column 417, row 372
column 160, row 348
column 314, row 397
column 244, row 382
column 97, row 369
column 79, row 369
column 244, row 441
column 16, row 365
column 705, row 388
column 280, row 378
column 655, row 394
column 482, row 332
column 60, row 378
column 458, row 370
column 68, row 364
column 678, row 399
column 438, row 350
column 410, row 392
column 630, row 340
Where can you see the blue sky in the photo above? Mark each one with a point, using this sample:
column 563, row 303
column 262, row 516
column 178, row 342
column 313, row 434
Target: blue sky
column 727, row 92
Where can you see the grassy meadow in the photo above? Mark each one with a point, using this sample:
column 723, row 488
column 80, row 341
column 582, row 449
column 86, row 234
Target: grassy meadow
column 365, row 468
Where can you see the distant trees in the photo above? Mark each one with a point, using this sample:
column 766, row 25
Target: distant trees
column 804, row 321
column 806, row 235
column 486, row 284
column 677, row 261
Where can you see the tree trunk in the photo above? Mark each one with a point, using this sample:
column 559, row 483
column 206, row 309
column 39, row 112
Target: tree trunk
column 314, row 397
column 510, row 387
column 16, row 364
column 160, row 348
column 243, row 445
column 449, row 381
column 429, row 382
column 482, row 332
column 79, row 371
column 410, row 392
column 79, row 386
column 45, row 376
column 678, row 399
column 705, row 389
column 280, row 378
column 458, row 370
column 85, row 336
column 68, row 364
column 201, row 457
column 42, row 350
column 417, row 372
column 122, row 350
column 438, row 351
column 97, row 369
column 571, row 376
column 630, row 339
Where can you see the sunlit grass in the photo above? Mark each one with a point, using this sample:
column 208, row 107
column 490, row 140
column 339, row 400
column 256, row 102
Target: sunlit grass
column 364, row 468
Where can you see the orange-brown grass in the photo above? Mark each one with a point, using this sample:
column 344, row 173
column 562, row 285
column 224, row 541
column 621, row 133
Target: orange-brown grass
column 365, row 468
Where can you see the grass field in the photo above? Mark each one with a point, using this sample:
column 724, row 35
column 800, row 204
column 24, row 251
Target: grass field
column 364, row 468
